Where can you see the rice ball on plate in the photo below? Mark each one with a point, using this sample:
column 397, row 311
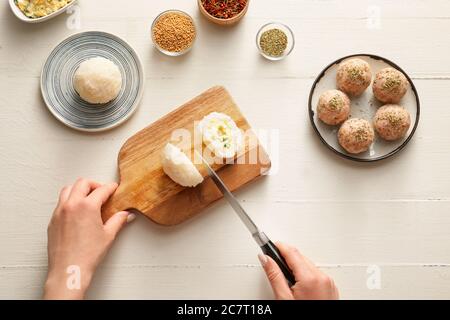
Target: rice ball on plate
column 98, row 80
column 392, row 122
column 353, row 76
column 390, row 85
column 221, row 135
column 356, row 135
column 177, row 165
column 333, row 107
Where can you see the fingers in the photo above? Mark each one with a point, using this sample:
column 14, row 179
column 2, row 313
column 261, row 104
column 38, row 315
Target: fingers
column 118, row 221
column 276, row 278
column 64, row 194
column 83, row 187
column 102, row 194
column 300, row 266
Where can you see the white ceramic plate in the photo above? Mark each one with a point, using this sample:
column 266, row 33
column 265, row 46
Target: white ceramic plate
column 363, row 107
column 21, row 16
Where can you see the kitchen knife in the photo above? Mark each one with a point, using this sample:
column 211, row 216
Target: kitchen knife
column 267, row 246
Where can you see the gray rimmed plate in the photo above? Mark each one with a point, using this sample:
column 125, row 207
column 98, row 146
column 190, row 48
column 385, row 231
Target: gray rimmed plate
column 57, row 81
column 365, row 107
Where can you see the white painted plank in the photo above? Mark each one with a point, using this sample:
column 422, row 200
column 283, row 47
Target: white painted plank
column 329, row 233
column 231, row 282
column 299, row 9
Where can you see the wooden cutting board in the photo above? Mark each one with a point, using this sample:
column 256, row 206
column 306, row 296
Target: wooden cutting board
column 145, row 187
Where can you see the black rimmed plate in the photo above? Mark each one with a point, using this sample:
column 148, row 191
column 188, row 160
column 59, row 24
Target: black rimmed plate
column 57, row 81
column 363, row 107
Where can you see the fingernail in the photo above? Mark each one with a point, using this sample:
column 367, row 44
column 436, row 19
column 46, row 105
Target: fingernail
column 131, row 217
column 263, row 259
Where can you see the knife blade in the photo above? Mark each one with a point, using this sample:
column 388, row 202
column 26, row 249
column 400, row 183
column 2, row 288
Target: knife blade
column 266, row 245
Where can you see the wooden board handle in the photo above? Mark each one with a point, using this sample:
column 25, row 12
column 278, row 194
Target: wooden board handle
column 118, row 202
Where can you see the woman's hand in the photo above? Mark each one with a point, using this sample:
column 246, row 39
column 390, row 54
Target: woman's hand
column 311, row 283
column 77, row 238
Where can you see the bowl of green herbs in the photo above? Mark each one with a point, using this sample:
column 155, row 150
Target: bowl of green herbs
column 275, row 41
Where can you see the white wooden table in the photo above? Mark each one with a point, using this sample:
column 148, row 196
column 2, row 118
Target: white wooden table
column 345, row 216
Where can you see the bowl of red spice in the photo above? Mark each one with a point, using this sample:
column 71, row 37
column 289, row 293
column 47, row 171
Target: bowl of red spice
column 173, row 32
column 224, row 12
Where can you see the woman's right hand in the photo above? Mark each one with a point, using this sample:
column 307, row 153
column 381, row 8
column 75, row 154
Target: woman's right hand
column 311, row 283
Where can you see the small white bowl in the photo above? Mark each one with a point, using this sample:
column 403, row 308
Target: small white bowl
column 21, row 16
column 286, row 30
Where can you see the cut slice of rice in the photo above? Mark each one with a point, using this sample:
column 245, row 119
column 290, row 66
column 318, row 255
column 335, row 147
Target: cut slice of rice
column 177, row 165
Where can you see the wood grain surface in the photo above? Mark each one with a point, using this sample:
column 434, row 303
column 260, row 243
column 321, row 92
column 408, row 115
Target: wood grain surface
column 145, row 187
column 346, row 217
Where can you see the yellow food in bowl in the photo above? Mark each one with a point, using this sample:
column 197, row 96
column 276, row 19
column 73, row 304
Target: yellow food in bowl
column 40, row 8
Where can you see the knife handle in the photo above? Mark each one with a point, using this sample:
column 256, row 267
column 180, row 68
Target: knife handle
column 272, row 251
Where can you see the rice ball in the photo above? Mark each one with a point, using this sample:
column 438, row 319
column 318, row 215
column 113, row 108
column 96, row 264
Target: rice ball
column 353, row 76
column 390, row 85
column 356, row 135
column 177, row 165
column 392, row 122
column 221, row 135
column 333, row 107
column 98, row 80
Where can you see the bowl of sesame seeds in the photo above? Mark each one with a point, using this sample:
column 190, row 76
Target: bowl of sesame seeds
column 173, row 32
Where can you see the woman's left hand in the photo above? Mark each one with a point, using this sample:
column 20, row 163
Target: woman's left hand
column 77, row 238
